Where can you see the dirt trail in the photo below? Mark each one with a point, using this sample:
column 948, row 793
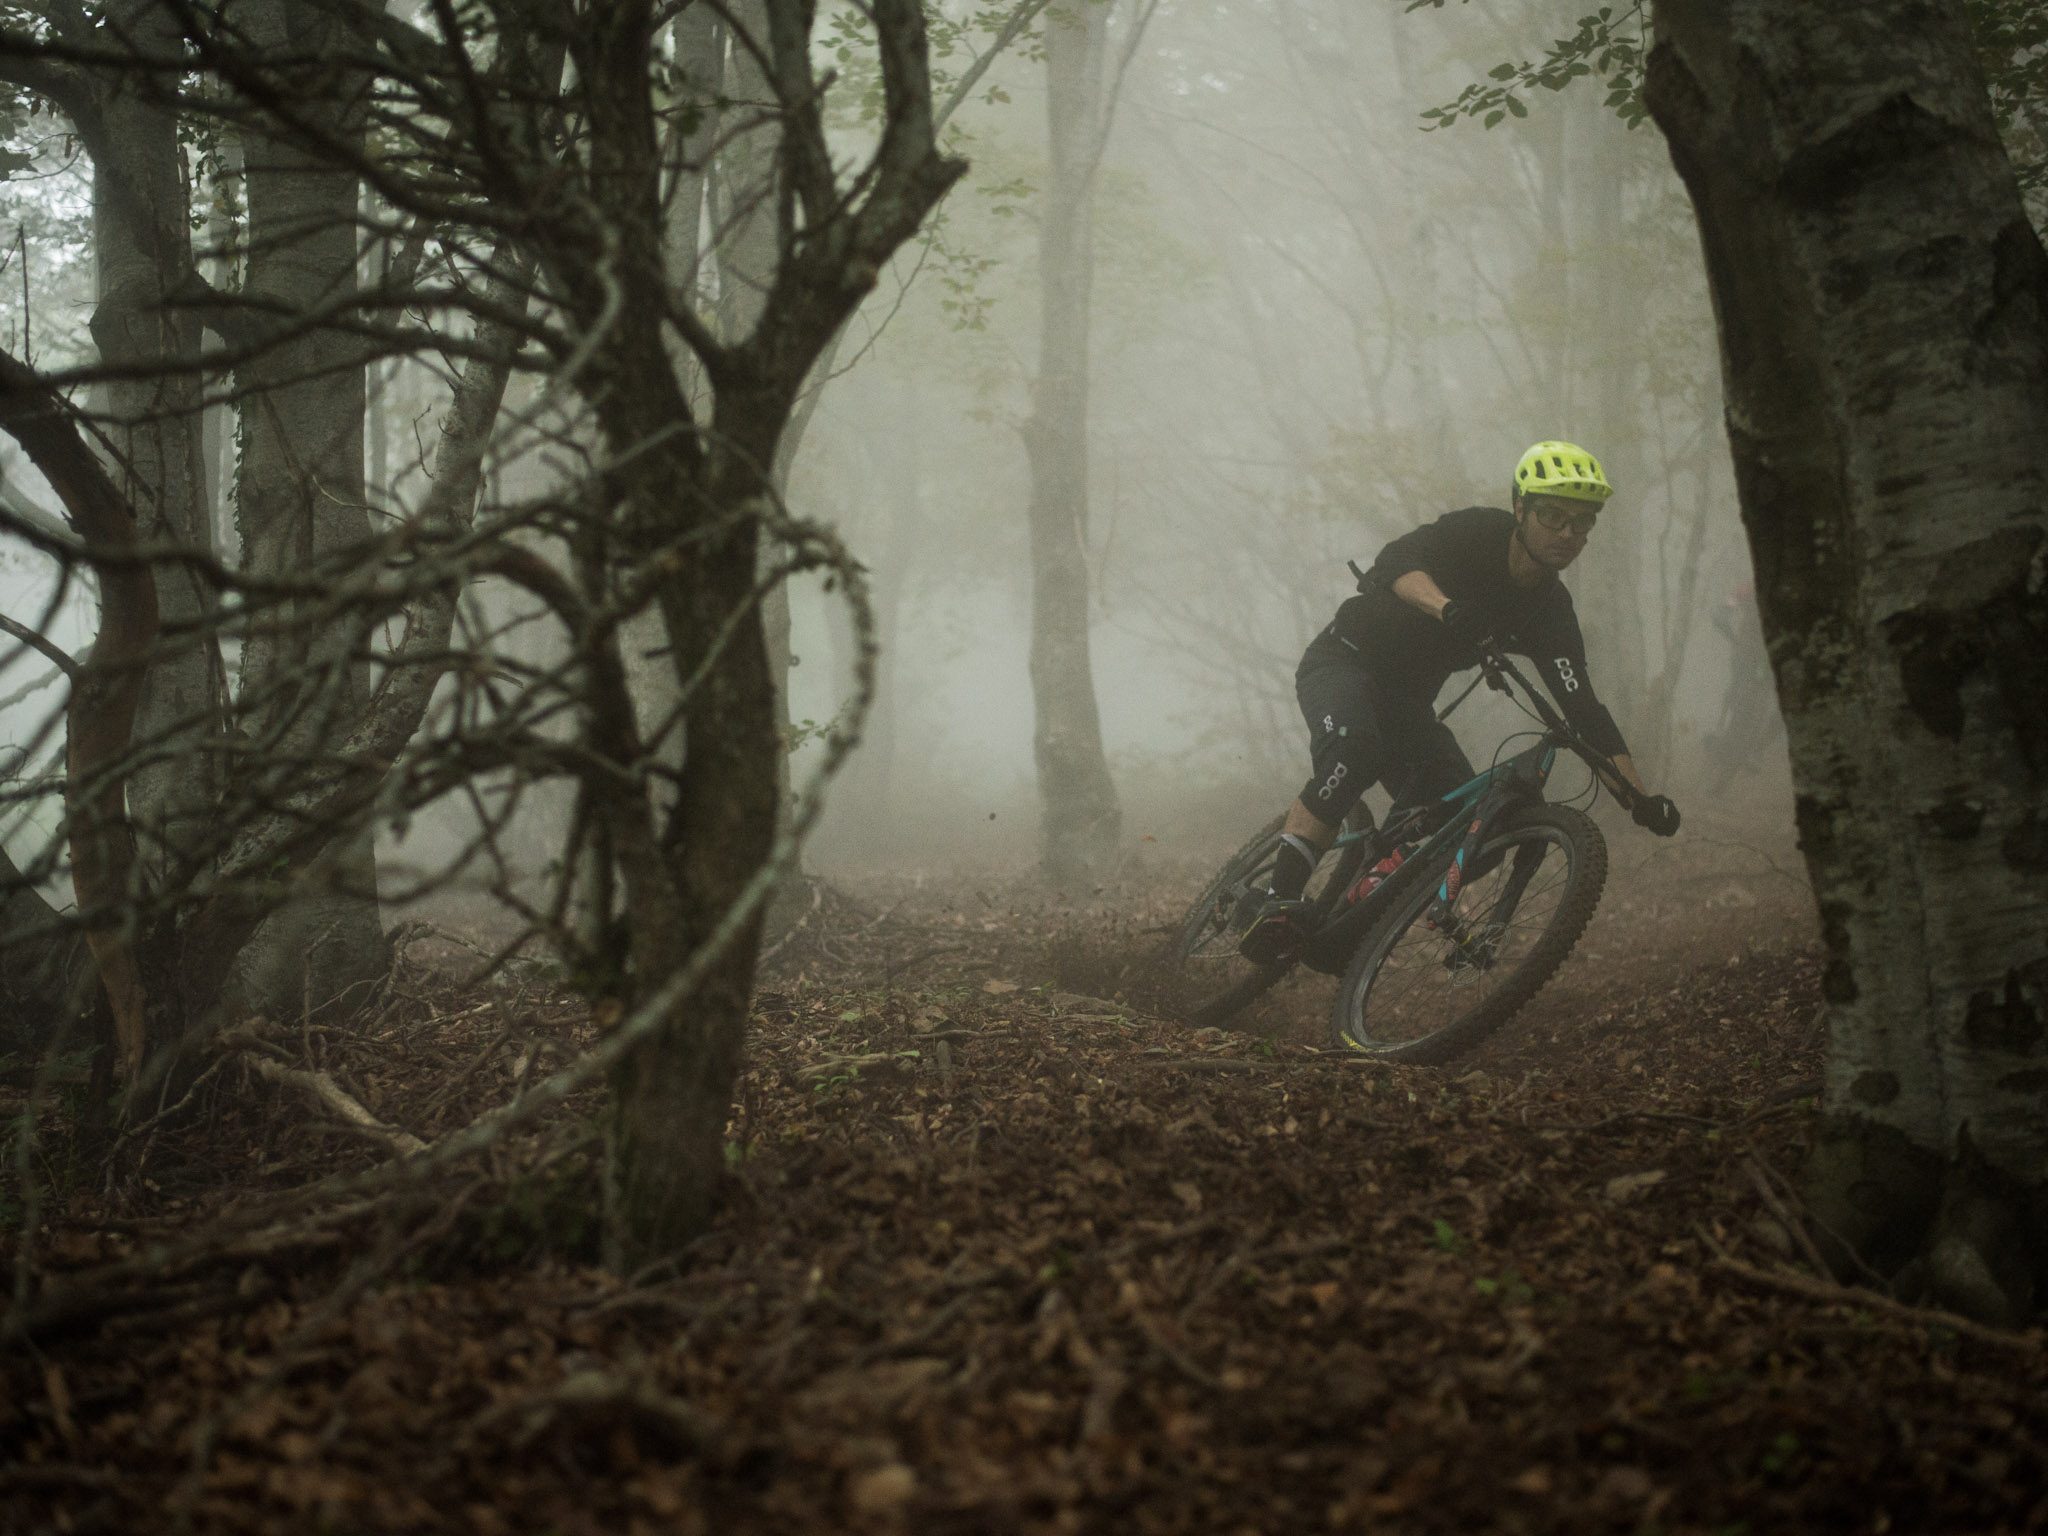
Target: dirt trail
column 1006, row 1253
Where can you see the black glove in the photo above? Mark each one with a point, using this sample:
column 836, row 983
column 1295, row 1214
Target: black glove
column 1657, row 813
column 1465, row 622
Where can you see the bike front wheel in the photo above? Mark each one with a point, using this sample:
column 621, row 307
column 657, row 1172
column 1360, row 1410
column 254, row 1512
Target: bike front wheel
column 1437, row 976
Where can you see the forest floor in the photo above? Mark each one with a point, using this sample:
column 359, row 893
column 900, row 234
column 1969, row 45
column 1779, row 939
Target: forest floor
column 1008, row 1248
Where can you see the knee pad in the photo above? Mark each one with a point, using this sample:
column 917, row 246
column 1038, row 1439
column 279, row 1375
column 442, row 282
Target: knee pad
column 1344, row 768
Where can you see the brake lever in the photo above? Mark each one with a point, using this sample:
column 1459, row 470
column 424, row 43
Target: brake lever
column 1489, row 666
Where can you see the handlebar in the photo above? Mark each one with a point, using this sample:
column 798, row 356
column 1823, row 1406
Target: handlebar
column 1496, row 671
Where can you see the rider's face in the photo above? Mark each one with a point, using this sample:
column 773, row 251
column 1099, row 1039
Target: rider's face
column 1555, row 529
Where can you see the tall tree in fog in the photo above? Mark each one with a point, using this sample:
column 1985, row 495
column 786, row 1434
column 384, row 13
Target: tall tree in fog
column 723, row 208
column 1081, row 820
column 141, row 249
column 1883, row 309
column 300, row 496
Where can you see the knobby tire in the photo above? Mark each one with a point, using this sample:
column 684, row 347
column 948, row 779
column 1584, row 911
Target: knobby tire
column 1586, row 874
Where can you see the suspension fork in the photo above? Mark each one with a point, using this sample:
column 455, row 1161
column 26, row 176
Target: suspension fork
column 1444, row 910
column 1527, row 861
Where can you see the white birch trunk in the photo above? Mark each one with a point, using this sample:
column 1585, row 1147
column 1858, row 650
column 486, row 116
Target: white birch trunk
column 1880, row 297
column 142, row 249
column 299, row 498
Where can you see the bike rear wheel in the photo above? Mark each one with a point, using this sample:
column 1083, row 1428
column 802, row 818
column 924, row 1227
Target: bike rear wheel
column 1432, row 981
column 1221, row 982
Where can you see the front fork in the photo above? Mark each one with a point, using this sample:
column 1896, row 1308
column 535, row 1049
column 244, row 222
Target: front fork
column 1443, row 913
column 1473, row 942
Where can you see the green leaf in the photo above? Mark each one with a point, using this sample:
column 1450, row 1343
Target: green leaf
column 1502, row 72
column 1492, row 118
column 1515, row 106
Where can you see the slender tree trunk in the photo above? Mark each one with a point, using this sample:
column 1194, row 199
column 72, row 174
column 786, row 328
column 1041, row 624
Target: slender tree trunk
column 46, row 976
column 1081, row 822
column 142, row 250
column 1883, row 309
column 749, row 249
column 300, row 497
column 698, row 37
column 1600, row 386
column 673, row 1094
column 705, row 496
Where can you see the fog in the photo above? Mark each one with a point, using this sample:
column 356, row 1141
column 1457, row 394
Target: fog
column 1314, row 325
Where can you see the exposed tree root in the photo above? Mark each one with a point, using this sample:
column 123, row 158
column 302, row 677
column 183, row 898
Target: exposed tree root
column 2032, row 1342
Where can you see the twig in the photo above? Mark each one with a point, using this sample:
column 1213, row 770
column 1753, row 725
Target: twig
column 880, row 917
column 1808, row 1221
column 1176, row 1356
column 162, row 1115
column 1229, row 1265
column 1777, row 1100
column 941, row 1319
column 1795, row 1227
column 890, row 974
column 59, row 658
column 1106, row 1385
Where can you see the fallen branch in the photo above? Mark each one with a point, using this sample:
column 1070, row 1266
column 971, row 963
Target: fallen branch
column 2032, row 1342
column 332, row 1097
column 832, row 1066
column 596, row 1397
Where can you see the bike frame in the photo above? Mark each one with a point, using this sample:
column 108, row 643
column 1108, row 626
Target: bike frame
column 1464, row 816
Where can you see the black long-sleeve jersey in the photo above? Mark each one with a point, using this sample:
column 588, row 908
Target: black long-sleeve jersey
column 1466, row 554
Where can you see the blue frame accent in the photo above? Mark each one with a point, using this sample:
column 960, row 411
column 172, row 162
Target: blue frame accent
column 1474, row 787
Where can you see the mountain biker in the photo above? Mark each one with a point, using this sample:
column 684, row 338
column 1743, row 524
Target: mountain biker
column 1368, row 683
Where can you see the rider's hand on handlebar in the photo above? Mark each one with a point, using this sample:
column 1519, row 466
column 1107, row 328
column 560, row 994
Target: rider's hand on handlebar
column 1465, row 622
column 1657, row 813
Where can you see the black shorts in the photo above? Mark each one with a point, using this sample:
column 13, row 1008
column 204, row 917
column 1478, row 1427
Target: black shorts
column 1364, row 732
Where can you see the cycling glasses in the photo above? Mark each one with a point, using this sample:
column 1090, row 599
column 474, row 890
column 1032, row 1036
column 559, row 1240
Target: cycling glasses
column 1559, row 516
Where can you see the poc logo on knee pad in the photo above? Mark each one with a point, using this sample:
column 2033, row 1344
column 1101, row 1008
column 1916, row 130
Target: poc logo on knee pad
column 1330, row 784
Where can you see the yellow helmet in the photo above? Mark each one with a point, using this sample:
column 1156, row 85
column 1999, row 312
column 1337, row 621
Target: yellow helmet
column 1561, row 469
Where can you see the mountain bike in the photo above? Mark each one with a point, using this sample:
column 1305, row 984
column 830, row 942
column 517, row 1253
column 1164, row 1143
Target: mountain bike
column 1436, row 949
